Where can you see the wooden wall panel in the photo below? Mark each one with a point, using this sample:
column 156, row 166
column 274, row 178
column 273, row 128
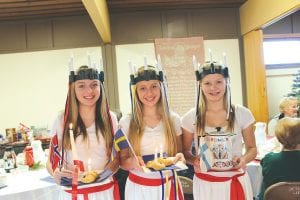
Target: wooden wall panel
column 75, row 31
column 39, row 34
column 215, row 23
column 256, row 75
column 12, row 36
column 176, row 24
column 136, row 27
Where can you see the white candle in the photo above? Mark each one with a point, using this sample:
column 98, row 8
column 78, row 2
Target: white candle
column 224, row 58
column 89, row 164
column 159, row 63
column 71, row 63
column 101, row 65
column 73, row 146
column 130, row 67
column 210, row 55
column 161, row 150
column 89, row 60
column 195, row 63
column 145, row 63
column 155, row 154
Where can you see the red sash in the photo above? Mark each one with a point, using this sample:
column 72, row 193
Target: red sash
column 236, row 188
column 156, row 182
column 98, row 188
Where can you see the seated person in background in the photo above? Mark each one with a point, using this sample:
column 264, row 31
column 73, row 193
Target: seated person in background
column 283, row 166
column 288, row 107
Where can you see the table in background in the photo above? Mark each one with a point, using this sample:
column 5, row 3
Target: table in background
column 29, row 186
column 255, row 173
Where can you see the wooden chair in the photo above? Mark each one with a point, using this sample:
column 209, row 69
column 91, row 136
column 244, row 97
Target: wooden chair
column 283, row 191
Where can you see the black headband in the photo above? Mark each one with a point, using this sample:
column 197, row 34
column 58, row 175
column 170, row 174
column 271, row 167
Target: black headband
column 88, row 73
column 146, row 75
column 211, row 68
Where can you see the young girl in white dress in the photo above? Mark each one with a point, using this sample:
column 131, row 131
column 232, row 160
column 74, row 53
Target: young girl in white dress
column 93, row 129
column 151, row 129
column 218, row 130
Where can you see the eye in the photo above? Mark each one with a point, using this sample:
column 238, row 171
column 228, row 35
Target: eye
column 142, row 89
column 94, row 85
column 154, row 86
column 80, row 86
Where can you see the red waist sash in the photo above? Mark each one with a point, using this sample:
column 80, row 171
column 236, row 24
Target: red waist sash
column 236, row 188
column 98, row 188
column 156, row 182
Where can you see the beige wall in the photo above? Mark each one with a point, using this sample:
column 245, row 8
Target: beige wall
column 34, row 85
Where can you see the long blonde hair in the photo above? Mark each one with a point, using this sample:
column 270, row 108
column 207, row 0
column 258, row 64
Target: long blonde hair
column 102, row 117
column 137, row 125
column 202, row 108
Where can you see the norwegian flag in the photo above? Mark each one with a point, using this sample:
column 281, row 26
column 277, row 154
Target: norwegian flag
column 55, row 156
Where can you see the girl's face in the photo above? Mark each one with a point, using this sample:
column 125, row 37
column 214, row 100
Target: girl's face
column 291, row 110
column 213, row 87
column 148, row 92
column 87, row 91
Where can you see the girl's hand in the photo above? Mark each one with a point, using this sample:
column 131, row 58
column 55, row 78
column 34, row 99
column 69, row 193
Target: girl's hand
column 137, row 164
column 196, row 165
column 239, row 162
column 179, row 157
column 59, row 173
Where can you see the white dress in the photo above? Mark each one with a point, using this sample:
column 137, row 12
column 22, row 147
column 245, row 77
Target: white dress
column 89, row 150
column 152, row 139
column 203, row 189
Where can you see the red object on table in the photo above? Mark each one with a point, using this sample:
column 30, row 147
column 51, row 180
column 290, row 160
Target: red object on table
column 29, row 160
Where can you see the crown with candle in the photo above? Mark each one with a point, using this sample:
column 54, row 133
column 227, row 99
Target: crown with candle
column 147, row 74
column 88, row 73
column 212, row 67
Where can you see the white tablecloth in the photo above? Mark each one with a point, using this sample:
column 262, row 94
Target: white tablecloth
column 31, row 185
column 255, row 173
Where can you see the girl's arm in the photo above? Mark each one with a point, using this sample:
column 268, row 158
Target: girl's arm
column 250, row 147
column 187, row 147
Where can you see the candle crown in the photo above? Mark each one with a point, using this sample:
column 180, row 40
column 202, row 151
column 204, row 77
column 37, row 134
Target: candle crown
column 87, row 73
column 210, row 67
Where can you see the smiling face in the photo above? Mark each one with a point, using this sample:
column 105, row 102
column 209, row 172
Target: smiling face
column 148, row 92
column 213, row 87
column 87, row 92
column 291, row 109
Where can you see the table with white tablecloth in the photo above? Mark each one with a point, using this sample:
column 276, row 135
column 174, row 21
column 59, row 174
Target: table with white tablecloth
column 29, row 185
column 255, row 173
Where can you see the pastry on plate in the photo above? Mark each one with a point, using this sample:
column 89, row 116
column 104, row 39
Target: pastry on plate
column 89, row 177
column 166, row 161
column 155, row 165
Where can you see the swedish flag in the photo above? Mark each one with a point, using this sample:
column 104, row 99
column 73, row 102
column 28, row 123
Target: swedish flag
column 120, row 141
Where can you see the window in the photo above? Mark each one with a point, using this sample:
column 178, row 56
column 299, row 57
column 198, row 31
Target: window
column 281, row 52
